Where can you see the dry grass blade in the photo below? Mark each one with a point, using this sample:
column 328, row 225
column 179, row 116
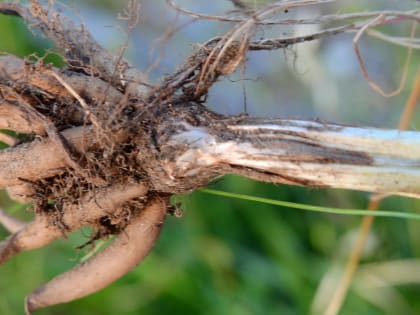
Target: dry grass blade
column 411, row 104
column 353, row 261
column 89, row 115
column 337, row 298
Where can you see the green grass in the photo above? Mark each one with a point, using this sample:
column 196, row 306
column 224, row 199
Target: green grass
column 301, row 206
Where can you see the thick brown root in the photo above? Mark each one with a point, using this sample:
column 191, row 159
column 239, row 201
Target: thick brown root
column 34, row 160
column 15, row 118
column 121, row 256
column 21, row 74
column 42, row 231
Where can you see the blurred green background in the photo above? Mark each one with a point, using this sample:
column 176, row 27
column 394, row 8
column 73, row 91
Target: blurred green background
column 227, row 256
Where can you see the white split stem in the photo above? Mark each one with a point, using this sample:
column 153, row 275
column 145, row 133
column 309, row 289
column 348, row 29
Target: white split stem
column 309, row 153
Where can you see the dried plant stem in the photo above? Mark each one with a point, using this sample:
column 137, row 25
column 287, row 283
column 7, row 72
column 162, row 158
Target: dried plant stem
column 411, row 104
column 299, row 152
column 305, row 153
column 353, row 261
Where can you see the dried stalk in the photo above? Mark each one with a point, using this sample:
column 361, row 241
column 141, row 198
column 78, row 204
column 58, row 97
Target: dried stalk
column 308, row 153
column 300, row 152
